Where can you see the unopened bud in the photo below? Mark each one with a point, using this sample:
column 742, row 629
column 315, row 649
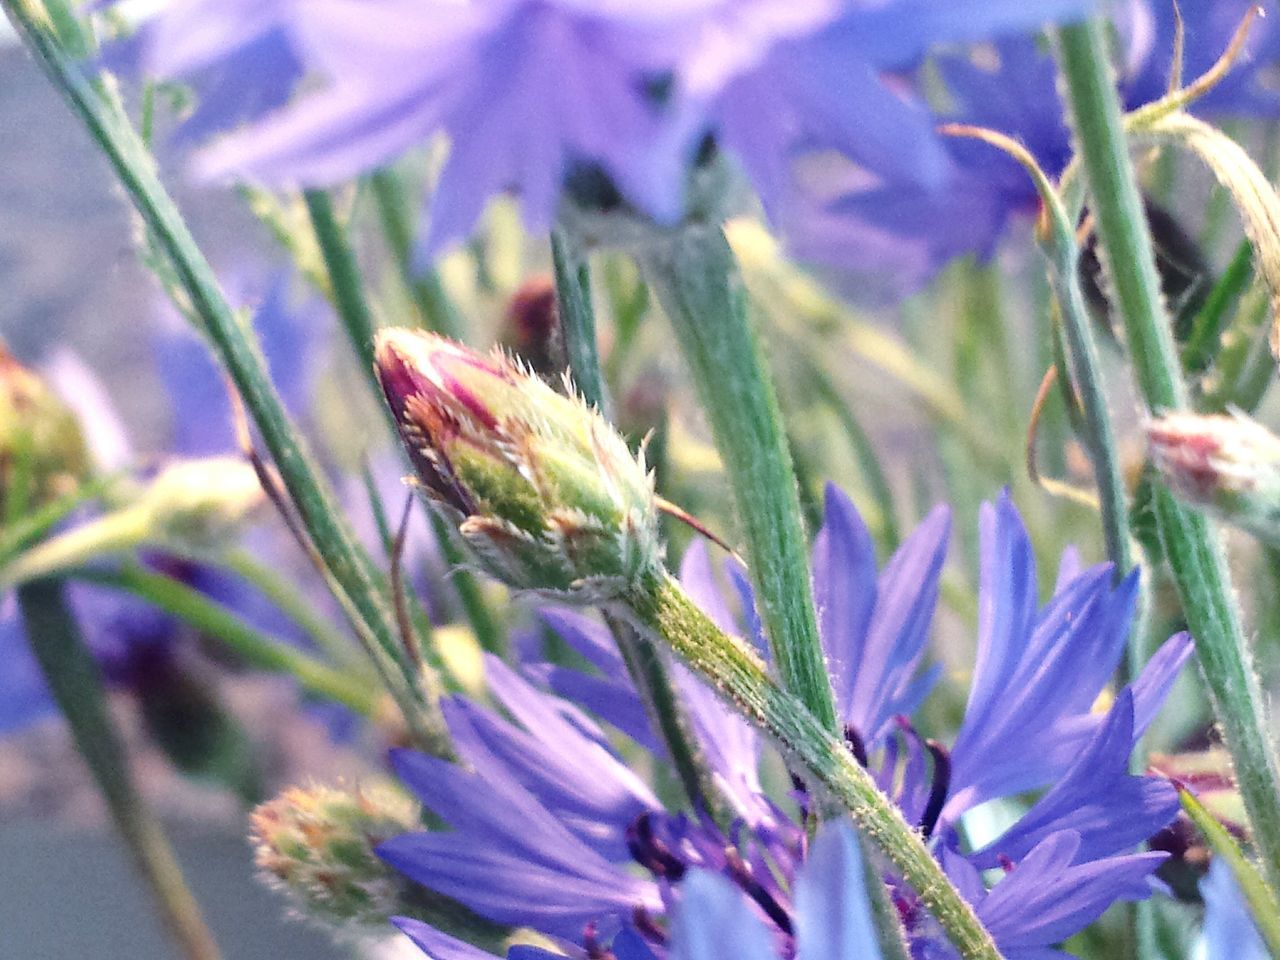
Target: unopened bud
column 1225, row 463
column 543, row 489
column 317, row 846
column 532, row 328
column 42, row 452
column 202, row 503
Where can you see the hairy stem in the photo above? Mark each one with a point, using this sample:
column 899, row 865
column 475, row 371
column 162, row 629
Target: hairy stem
column 666, row 613
column 644, row 659
column 696, row 278
column 1191, row 542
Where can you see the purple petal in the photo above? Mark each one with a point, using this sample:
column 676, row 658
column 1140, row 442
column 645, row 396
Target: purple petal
column 833, row 915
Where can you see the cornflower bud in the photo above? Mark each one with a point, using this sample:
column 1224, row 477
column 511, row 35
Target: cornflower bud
column 546, row 493
column 317, row 844
column 1226, row 463
column 42, row 451
column 531, row 328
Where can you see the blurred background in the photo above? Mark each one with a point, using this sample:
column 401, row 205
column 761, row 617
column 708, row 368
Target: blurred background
column 70, row 279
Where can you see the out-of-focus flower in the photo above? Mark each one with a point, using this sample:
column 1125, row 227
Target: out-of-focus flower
column 534, row 94
column 295, row 341
column 238, row 56
column 1229, row 932
column 545, row 491
column 1029, row 725
column 885, row 238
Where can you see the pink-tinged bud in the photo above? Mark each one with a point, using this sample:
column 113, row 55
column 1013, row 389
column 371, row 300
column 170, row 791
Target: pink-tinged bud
column 531, row 328
column 1226, row 463
column 42, row 451
column 543, row 489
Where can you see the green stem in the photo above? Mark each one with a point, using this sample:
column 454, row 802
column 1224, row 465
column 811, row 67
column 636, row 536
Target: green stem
column 1262, row 902
column 1192, row 544
column 424, row 286
column 122, row 530
column 696, row 279
column 72, row 675
column 578, row 319
column 344, row 277
column 666, row 613
column 213, row 620
column 643, row 658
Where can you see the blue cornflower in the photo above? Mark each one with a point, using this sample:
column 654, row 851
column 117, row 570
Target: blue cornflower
column 531, row 93
column 884, row 238
column 715, row 920
column 1029, row 725
column 1229, row 932
column 238, row 56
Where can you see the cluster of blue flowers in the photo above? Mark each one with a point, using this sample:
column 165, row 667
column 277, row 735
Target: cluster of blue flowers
column 547, row 823
column 535, row 93
column 824, row 116
column 822, row 104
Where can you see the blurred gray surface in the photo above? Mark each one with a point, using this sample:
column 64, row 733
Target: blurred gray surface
column 71, row 894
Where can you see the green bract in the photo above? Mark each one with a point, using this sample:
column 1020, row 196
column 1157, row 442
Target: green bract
column 42, row 452
column 547, row 494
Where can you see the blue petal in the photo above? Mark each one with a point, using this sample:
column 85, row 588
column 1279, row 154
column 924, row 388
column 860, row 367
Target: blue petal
column 437, row 945
column 1048, row 897
column 833, row 916
column 614, row 702
column 714, row 921
column 894, row 35
column 1229, row 930
column 1110, row 810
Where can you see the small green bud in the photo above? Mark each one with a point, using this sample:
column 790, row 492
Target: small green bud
column 1226, row 463
column 317, row 846
column 202, row 504
column 42, row 451
column 544, row 490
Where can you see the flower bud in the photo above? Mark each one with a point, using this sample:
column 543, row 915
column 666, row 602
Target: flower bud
column 317, row 845
column 531, row 328
column 202, row 503
column 42, row 451
column 1226, row 463
column 546, row 493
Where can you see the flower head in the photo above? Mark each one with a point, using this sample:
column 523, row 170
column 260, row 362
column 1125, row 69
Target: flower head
column 317, row 845
column 542, row 845
column 547, row 493
column 618, row 103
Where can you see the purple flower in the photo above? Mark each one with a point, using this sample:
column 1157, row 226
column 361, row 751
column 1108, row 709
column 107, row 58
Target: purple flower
column 537, row 822
column 1068, row 857
column 238, row 56
column 534, row 93
column 714, row 918
column 883, row 238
